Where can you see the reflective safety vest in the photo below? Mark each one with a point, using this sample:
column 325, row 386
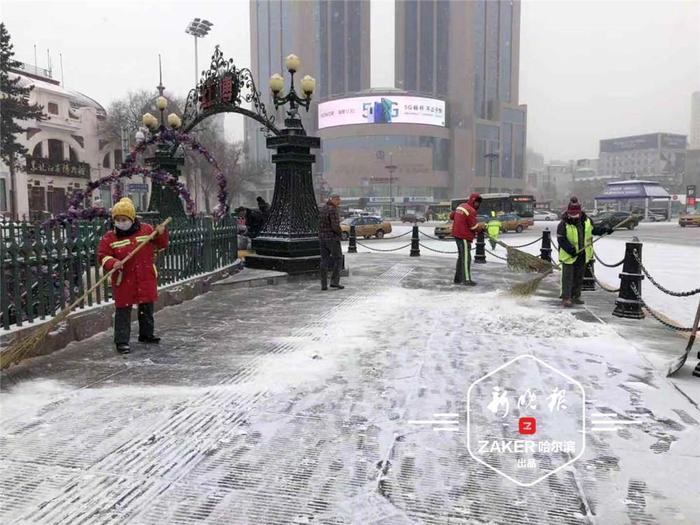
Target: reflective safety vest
column 572, row 237
column 493, row 228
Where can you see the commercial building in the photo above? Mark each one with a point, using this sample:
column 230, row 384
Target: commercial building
column 695, row 121
column 332, row 41
column 66, row 149
column 656, row 157
column 460, row 57
column 385, row 149
column 555, row 185
column 468, row 54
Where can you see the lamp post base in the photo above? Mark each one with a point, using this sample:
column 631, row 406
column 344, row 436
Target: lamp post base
column 291, row 265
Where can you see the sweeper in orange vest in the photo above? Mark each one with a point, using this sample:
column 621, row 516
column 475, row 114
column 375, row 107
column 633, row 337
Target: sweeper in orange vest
column 135, row 282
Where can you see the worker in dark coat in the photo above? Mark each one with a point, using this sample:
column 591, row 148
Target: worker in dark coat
column 575, row 237
column 329, row 238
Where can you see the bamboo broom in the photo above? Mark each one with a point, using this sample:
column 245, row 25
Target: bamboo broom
column 19, row 349
column 530, row 286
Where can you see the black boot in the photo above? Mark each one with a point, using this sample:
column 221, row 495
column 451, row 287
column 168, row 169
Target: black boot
column 149, row 339
column 469, row 283
column 123, row 348
column 338, row 286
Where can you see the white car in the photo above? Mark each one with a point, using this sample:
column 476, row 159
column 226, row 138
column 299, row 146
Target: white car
column 545, row 216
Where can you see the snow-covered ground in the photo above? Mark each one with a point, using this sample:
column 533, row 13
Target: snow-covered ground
column 252, row 411
column 673, row 264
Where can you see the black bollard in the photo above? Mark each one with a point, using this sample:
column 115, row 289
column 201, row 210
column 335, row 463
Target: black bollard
column 588, row 278
column 352, row 245
column 627, row 304
column 480, row 255
column 415, row 242
column 546, row 248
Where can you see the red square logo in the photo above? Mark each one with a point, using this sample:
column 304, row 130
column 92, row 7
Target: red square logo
column 527, row 425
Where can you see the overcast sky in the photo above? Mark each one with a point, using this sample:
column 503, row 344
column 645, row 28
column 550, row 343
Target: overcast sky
column 589, row 69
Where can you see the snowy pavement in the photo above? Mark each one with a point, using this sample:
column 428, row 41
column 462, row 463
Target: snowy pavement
column 670, row 253
column 285, row 405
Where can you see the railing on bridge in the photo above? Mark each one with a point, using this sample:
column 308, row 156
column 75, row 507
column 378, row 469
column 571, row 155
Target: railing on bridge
column 46, row 268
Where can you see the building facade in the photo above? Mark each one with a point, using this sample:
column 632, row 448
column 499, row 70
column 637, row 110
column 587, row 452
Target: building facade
column 695, row 121
column 385, row 149
column 656, row 156
column 66, row 150
column 468, row 53
column 332, row 41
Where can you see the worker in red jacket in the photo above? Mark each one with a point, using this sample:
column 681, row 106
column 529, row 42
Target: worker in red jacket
column 464, row 228
column 134, row 282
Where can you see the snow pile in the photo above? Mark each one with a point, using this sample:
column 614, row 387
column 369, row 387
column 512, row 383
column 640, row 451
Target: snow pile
column 675, row 267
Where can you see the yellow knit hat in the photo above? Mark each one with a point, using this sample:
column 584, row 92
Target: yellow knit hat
column 125, row 208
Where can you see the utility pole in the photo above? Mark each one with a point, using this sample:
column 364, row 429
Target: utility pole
column 491, row 157
column 391, row 168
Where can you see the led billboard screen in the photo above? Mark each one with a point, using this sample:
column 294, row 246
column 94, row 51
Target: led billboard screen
column 398, row 109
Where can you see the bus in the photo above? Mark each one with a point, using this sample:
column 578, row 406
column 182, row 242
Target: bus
column 441, row 210
column 523, row 205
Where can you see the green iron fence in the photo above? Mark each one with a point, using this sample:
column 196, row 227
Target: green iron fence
column 44, row 269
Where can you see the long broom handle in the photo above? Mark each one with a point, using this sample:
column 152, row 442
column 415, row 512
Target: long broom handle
column 604, row 235
column 140, row 245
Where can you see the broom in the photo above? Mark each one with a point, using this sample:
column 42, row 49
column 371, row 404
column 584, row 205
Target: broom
column 17, row 350
column 529, row 287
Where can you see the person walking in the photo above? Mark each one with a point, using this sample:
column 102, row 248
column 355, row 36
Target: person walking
column 464, row 228
column 575, row 237
column 493, row 229
column 329, row 237
column 134, row 283
column 264, row 207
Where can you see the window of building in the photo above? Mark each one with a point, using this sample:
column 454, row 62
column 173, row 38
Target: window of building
column 52, row 108
column 106, row 162
column 117, row 157
column 55, row 150
column 37, row 151
column 73, row 155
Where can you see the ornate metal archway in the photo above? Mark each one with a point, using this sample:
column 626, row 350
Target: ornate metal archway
column 222, row 89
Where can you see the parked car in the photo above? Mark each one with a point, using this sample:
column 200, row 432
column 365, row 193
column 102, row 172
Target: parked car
column 691, row 218
column 512, row 222
column 365, row 227
column 613, row 218
column 443, row 230
column 655, row 216
column 545, row 215
column 412, row 217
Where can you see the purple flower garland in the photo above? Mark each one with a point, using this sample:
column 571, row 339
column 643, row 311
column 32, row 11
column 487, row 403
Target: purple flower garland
column 77, row 211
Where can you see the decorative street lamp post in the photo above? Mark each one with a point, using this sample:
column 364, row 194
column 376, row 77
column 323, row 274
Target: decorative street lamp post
column 164, row 200
column 289, row 240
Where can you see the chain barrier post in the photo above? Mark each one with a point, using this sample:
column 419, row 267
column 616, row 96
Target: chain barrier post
column 546, row 247
column 415, row 242
column 352, row 245
column 480, row 256
column 588, row 278
column 628, row 304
